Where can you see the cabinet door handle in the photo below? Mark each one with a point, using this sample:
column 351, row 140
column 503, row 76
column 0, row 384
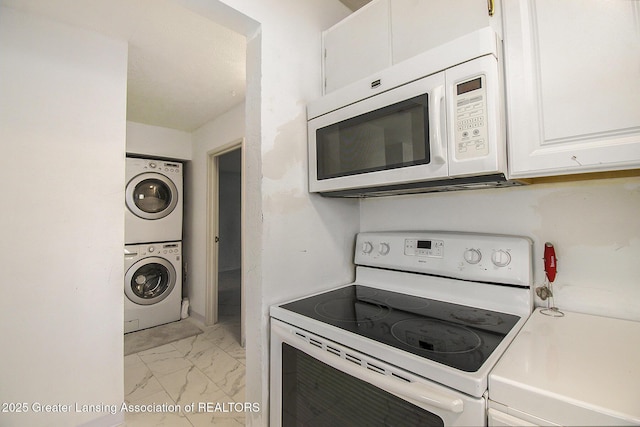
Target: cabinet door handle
column 491, row 6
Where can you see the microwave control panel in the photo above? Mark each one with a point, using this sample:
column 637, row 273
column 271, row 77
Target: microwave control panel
column 471, row 136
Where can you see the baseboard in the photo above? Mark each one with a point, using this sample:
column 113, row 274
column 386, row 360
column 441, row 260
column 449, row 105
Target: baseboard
column 197, row 317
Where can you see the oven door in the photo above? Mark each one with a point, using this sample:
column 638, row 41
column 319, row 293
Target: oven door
column 316, row 382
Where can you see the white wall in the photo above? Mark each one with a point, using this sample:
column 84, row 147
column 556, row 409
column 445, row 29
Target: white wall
column 62, row 121
column 156, row 141
column 594, row 226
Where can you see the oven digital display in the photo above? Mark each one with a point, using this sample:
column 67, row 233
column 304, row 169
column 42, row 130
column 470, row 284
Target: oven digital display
column 424, row 248
column 424, row 244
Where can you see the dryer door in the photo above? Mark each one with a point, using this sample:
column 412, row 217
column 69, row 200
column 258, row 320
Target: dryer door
column 149, row 280
column 151, row 196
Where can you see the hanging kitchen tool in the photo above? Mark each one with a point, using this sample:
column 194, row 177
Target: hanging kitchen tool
column 550, row 265
column 550, row 271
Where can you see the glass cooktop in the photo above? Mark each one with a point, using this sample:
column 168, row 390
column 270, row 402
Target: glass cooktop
column 455, row 335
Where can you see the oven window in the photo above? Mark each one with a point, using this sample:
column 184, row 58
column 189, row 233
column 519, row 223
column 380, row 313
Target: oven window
column 391, row 137
column 314, row 394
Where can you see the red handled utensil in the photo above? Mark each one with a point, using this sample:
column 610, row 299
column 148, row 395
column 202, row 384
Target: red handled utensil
column 550, row 269
column 550, row 261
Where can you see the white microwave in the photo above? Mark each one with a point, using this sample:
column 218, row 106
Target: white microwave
column 434, row 122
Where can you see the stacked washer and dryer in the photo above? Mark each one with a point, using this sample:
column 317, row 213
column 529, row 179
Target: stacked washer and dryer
column 153, row 243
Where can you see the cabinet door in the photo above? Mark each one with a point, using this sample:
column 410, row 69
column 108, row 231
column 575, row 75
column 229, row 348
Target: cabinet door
column 357, row 46
column 573, row 85
column 419, row 25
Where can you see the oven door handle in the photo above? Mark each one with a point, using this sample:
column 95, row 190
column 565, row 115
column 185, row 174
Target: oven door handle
column 409, row 390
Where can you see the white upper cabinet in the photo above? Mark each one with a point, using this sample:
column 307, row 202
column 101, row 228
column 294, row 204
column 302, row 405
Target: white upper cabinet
column 420, row 25
column 385, row 32
column 357, row 46
column 572, row 85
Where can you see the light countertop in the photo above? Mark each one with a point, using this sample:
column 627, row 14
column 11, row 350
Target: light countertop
column 574, row 370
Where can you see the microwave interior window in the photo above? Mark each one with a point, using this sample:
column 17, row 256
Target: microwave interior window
column 391, row 137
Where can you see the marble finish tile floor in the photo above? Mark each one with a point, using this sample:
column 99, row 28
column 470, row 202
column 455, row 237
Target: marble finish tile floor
column 207, row 370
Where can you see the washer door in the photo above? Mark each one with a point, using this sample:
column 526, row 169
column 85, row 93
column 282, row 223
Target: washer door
column 149, row 280
column 151, row 196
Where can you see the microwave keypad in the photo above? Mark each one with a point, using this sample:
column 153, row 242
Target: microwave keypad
column 471, row 125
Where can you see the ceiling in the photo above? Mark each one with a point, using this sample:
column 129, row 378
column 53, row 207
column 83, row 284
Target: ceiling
column 184, row 69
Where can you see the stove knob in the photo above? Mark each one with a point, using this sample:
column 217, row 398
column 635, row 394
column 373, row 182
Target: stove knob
column 383, row 249
column 367, row 247
column 472, row 256
column 501, row 258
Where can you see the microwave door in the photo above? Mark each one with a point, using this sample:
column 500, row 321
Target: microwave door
column 393, row 138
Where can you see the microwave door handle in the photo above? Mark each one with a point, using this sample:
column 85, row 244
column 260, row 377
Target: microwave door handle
column 437, row 136
column 412, row 390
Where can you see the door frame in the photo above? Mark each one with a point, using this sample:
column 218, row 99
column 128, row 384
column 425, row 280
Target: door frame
column 211, row 292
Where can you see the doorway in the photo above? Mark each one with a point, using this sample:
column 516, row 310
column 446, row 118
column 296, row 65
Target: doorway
column 225, row 290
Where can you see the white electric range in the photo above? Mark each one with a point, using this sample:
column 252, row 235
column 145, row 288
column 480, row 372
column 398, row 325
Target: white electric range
column 411, row 341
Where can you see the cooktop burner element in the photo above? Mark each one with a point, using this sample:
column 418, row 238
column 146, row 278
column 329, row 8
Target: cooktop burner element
column 458, row 336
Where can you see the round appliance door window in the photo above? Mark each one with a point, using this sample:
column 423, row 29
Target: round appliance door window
column 151, row 196
column 149, row 281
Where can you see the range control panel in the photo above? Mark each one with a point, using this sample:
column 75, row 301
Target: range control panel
column 468, row 256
